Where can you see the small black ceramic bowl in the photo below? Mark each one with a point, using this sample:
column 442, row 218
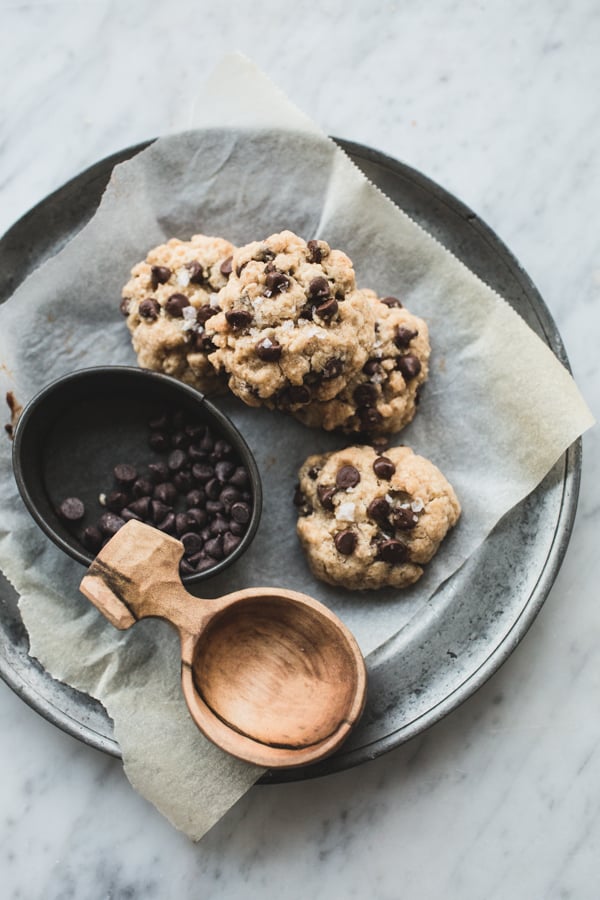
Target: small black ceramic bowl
column 70, row 437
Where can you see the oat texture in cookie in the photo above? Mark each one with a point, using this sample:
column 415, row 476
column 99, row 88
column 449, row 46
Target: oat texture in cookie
column 292, row 328
column 168, row 300
column 382, row 398
column 371, row 521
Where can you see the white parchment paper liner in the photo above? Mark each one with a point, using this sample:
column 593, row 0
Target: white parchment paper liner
column 498, row 411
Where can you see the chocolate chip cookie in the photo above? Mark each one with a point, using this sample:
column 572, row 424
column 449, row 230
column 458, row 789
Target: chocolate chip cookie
column 383, row 397
column 168, row 300
column 371, row 521
column 292, row 328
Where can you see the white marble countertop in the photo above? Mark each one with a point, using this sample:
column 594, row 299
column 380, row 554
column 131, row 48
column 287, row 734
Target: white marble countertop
column 499, row 104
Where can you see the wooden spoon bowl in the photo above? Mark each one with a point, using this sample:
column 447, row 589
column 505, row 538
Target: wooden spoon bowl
column 272, row 676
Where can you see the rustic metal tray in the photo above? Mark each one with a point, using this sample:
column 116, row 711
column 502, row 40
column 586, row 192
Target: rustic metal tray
column 484, row 610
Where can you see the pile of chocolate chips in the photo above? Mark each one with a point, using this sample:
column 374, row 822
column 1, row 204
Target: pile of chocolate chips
column 196, row 490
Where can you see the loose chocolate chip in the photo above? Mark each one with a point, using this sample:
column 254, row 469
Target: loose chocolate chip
column 183, row 481
column 391, row 301
column 214, row 547
column 72, row 509
column 365, row 394
column 177, row 460
column 299, row 393
column 159, row 422
column 183, row 524
column 214, row 507
column 239, row 477
column 116, row 500
column 159, row 510
column 313, row 473
column 409, row 366
column 345, row 542
column 240, row 512
column 404, row 519
column 196, row 453
column 124, row 307
column 168, row 523
column 333, row 368
column 213, row 489
column 158, row 471
column 224, row 469
column 226, row 266
column 165, row 493
column 197, row 274
column 372, row 367
column 238, row 318
column 229, row 495
column 195, row 497
column 219, row 525
column 194, row 431
column 160, row 275
column 206, row 312
column 142, row 487
column 176, row 304
column 202, row 472
column 92, row 538
column 230, row 542
column 109, row 523
column 237, row 528
column 125, row 474
column 347, row 477
column 186, row 568
column 127, row 515
column 158, row 441
column 314, row 252
column 141, row 507
column 392, row 551
column 204, row 563
column 404, row 336
column 198, row 517
column 149, row 309
column 378, row 509
column 318, row 290
column 276, row 283
column 327, row 310
column 222, row 449
column 384, row 467
column 325, row 494
column 180, row 440
column 268, row 350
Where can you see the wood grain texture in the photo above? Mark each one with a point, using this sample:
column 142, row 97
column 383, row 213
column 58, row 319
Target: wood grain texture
column 272, row 676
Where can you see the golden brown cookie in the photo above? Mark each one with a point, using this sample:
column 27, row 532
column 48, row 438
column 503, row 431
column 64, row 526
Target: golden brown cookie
column 291, row 330
column 370, row 521
column 168, row 300
column 382, row 398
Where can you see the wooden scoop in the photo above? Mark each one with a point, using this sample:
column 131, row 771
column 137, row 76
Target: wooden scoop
column 270, row 675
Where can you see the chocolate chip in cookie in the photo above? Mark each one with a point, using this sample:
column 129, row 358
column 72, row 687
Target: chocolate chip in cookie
column 347, row 477
column 159, row 275
column 384, row 467
column 345, row 542
column 269, row 350
column 176, row 304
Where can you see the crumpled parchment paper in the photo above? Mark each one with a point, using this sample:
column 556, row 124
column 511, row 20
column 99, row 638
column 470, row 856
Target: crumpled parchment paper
column 497, row 413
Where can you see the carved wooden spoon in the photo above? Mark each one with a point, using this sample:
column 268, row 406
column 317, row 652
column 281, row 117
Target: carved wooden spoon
column 270, row 675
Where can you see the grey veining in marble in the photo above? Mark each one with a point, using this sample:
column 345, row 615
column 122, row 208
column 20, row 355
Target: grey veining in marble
column 499, row 103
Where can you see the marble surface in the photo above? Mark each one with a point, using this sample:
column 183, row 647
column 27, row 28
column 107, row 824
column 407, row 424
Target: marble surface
column 498, row 103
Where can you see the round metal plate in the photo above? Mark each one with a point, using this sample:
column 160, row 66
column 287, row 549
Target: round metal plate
column 417, row 678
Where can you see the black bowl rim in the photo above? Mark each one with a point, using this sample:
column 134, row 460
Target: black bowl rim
column 223, row 421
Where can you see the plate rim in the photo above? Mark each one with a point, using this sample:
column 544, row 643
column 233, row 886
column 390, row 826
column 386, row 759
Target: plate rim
column 571, row 477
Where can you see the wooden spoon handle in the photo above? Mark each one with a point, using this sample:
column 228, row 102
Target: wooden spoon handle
column 136, row 575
